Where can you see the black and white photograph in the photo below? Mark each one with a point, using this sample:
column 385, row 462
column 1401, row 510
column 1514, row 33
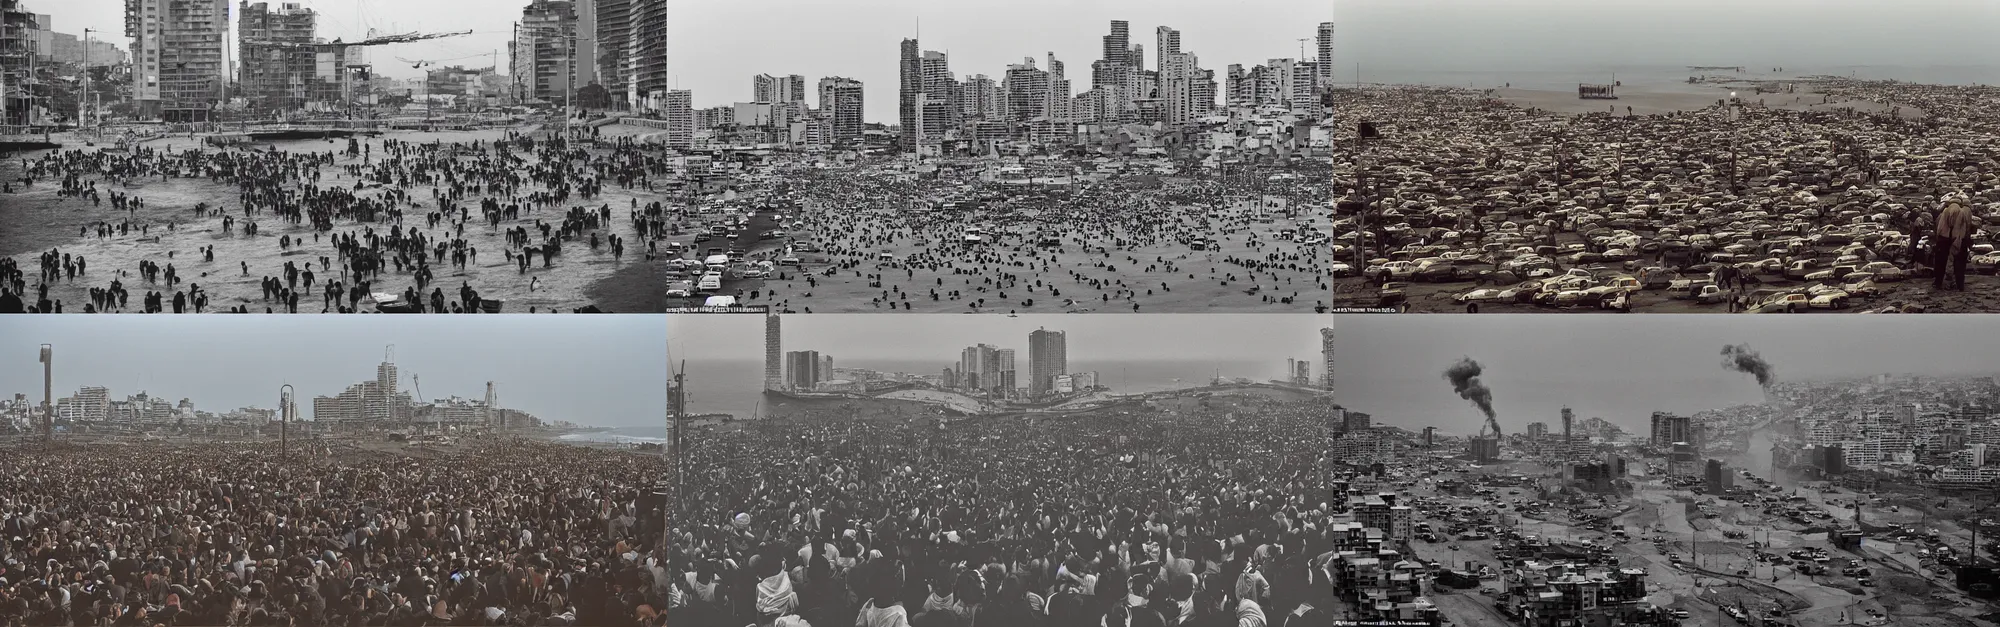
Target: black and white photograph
column 1693, row 470
column 298, row 471
column 981, row 470
column 1039, row 156
column 1697, row 156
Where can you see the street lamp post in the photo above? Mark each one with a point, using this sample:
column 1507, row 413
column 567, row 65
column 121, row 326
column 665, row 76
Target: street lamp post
column 285, row 406
column 84, row 95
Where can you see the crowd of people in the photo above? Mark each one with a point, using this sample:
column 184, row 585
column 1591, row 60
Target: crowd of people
column 382, row 216
column 497, row 533
column 1173, row 512
column 1123, row 243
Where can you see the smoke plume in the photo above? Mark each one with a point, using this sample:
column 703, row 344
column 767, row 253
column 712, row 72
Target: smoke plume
column 1740, row 358
column 1464, row 377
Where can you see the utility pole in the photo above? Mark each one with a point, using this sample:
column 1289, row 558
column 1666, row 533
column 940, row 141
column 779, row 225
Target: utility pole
column 285, row 408
column 48, row 394
column 85, row 94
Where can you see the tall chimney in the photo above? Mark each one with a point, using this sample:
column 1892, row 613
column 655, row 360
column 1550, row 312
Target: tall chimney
column 1569, row 420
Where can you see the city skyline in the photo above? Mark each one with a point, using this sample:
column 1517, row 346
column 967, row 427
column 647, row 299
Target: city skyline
column 856, row 338
column 718, row 65
column 605, row 359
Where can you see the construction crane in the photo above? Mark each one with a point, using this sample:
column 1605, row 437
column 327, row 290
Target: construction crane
column 418, row 385
column 420, row 63
column 381, row 40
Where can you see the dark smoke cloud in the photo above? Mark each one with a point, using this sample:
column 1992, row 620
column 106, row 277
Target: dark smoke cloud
column 1464, row 377
column 1740, row 358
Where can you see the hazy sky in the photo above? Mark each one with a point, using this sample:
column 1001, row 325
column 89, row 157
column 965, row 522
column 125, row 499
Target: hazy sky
column 492, row 23
column 594, row 370
column 719, row 45
column 859, row 338
column 1485, row 35
column 1621, row 368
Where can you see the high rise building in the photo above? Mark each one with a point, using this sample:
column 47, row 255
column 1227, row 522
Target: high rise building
column 1326, row 353
column 980, row 98
column 646, row 59
column 940, row 91
column 802, row 370
column 912, row 84
column 1004, row 360
column 274, row 62
column 178, row 69
column 1324, row 68
column 1057, row 104
column 678, row 105
column 1027, row 91
column 774, row 89
column 1048, row 356
column 614, row 49
column 543, row 64
column 840, row 100
column 774, row 367
column 1115, row 44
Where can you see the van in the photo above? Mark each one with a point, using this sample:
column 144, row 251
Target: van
column 720, row 301
column 710, row 281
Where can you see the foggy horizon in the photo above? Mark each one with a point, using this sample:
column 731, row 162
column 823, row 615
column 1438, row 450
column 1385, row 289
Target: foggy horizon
column 1394, row 38
column 861, row 40
column 852, row 338
column 1622, row 368
column 606, row 360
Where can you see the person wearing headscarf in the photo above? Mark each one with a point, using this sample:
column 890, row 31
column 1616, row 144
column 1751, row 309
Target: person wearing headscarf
column 1953, row 246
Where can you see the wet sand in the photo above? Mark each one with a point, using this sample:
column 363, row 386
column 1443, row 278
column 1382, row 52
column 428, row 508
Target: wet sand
column 579, row 277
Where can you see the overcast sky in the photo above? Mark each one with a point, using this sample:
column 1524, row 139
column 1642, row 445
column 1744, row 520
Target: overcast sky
column 1622, row 368
column 719, row 45
column 594, row 370
column 1485, row 35
column 864, row 337
column 715, row 46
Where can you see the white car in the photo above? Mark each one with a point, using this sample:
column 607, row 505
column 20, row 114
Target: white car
column 1479, row 295
column 1342, row 269
column 680, row 289
column 710, row 281
column 1885, row 271
column 1835, row 299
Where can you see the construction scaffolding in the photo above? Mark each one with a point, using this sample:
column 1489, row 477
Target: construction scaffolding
column 275, row 77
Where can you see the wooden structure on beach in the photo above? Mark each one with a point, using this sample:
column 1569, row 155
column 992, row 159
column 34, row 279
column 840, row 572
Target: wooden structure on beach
column 1596, row 92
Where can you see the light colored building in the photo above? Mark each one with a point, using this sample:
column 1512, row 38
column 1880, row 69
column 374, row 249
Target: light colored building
column 840, row 100
column 178, row 69
column 678, row 105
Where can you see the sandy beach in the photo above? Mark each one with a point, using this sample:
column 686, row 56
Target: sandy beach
column 39, row 220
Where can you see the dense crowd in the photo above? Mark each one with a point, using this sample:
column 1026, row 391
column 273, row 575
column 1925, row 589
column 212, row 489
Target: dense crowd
column 1169, row 513
column 1115, row 244
column 382, row 216
column 514, row 533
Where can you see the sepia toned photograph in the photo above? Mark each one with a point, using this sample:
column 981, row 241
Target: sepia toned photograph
column 330, row 471
column 1685, row 157
column 1706, row 470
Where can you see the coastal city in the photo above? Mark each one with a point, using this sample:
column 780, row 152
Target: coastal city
column 981, row 492
column 295, row 158
column 129, row 495
column 1158, row 185
column 1665, row 176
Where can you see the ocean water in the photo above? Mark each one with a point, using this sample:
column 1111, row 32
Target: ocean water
column 736, row 387
column 1567, row 76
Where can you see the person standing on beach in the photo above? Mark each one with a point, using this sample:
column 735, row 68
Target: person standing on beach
column 1954, row 240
